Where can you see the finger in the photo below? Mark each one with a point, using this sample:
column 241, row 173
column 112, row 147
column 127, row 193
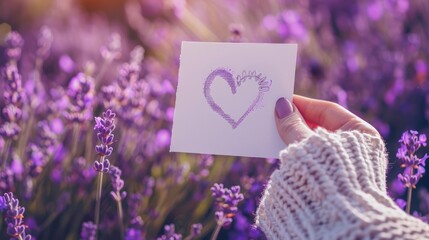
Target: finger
column 290, row 124
column 330, row 115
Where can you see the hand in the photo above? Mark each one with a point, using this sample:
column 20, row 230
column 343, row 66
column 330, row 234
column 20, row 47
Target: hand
column 296, row 121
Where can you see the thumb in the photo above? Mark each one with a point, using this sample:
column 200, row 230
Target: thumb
column 291, row 126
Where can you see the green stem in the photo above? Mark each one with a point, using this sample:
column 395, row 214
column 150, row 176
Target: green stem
column 75, row 141
column 98, row 202
column 26, row 135
column 410, row 191
column 216, row 232
column 120, row 216
column 6, row 147
column 75, row 138
column 89, row 147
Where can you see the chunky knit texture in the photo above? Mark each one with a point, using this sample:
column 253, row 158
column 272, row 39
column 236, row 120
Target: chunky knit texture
column 333, row 186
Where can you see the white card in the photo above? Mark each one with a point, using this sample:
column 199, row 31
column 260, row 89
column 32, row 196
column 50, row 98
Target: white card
column 226, row 97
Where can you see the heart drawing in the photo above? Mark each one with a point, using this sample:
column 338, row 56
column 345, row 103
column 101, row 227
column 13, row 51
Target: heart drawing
column 222, row 74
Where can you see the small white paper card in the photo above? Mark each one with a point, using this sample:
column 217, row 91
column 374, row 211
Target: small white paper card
column 226, row 97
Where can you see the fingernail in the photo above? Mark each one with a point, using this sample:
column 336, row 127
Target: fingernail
column 283, row 108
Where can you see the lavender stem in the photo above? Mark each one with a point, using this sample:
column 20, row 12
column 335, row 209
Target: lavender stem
column 216, row 232
column 75, row 139
column 7, row 144
column 98, row 202
column 26, row 135
column 89, row 147
column 410, row 191
column 121, row 217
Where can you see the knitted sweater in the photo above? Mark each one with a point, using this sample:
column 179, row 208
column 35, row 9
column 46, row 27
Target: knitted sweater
column 333, row 186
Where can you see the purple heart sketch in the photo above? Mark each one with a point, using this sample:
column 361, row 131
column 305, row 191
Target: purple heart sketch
column 223, row 74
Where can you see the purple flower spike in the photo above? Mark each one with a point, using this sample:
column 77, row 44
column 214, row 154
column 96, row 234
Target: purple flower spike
column 411, row 141
column 3, row 204
column 226, row 201
column 14, row 217
column 236, row 32
column 134, row 232
column 196, row 229
column 102, row 167
column 104, row 126
column 44, row 42
column 14, row 43
column 117, row 184
column 170, row 233
column 12, row 110
column 88, row 232
column 80, row 93
column 112, row 50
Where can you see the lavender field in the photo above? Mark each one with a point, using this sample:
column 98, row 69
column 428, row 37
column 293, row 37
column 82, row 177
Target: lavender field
column 87, row 102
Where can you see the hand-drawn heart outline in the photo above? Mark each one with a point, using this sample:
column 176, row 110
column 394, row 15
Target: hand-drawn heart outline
column 226, row 75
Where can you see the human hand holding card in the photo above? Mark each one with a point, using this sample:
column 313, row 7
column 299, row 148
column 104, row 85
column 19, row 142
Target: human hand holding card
column 226, row 96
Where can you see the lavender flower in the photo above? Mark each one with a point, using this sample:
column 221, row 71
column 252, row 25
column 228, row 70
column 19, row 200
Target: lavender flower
column 12, row 111
column 6, row 180
column 48, row 138
column 15, row 218
column 113, row 48
column 137, row 55
column 44, row 42
column 80, row 94
column 14, row 43
column 41, row 149
column 117, row 184
column 3, row 204
column 410, row 142
column 36, row 160
column 81, row 173
column 196, row 230
column 134, row 202
column 226, row 201
column 149, row 184
column 128, row 95
column 135, row 228
column 236, row 32
column 288, row 25
column 204, row 165
column 88, row 231
column 128, row 74
column 104, row 127
column 134, row 231
column 170, row 233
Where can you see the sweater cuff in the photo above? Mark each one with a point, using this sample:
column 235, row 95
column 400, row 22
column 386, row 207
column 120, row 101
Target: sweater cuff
column 346, row 159
column 324, row 181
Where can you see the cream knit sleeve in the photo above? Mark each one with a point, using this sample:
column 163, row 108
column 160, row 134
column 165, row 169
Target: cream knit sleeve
column 333, row 186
